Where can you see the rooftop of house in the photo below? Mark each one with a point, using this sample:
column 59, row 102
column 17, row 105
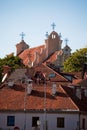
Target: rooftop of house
column 79, row 98
column 29, row 54
column 13, row 99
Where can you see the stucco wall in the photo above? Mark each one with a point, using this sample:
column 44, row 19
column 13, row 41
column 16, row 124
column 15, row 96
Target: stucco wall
column 83, row 116
column 70, row 121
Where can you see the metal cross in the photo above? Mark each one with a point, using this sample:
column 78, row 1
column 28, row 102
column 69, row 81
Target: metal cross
column 66, row 41
column 46, row 34
column 22, row 36
column 53, row 26
column 60, row 35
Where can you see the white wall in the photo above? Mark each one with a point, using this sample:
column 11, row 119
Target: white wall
column 83, row 116
column 70, row 121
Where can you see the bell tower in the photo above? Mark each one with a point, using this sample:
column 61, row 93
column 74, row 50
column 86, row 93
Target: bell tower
column 20, row 47
column 53, row 42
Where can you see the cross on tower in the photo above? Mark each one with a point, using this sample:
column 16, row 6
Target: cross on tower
column 46, row 34
column 60, row 35
column 53, row 26
column 66, row 41
column 22, row 36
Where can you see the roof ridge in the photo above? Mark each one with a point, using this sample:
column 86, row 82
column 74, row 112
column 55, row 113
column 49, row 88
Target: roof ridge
column 55, row 72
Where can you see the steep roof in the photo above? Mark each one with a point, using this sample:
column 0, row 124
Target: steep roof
column 53, row 57
column 30, row 54
column 48, row 71
column 17, row 75
column 81, row 103
column 13, row 99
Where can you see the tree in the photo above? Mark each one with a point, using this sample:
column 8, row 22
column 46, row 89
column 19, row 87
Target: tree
column 12, row 61
column 75, row 62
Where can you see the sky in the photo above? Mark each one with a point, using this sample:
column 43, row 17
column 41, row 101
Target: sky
column 35, row 17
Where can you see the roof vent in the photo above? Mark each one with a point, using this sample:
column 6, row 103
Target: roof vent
column 54, row 87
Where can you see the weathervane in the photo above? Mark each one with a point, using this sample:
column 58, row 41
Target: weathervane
column 53, row 26
column 22, row 36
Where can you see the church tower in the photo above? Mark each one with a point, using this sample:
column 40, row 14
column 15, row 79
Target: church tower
column 53, row 42
column 20, row 47
column 66, row 51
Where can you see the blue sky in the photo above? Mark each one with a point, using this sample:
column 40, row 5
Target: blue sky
column 34, row 18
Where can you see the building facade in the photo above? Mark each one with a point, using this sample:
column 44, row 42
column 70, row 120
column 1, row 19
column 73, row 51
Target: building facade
column 67, row 120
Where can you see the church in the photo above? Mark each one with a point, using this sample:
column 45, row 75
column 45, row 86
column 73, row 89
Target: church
column 39, row 98
column 51, row 52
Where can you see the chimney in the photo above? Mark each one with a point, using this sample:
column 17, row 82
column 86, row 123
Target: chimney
column 29, row 86
column 85, row 92
column 10, row 83
column 78, row 93
column 6, row 69
column 54, row 87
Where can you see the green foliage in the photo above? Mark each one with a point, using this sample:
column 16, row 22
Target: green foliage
column 12, row 61
column 75, row 62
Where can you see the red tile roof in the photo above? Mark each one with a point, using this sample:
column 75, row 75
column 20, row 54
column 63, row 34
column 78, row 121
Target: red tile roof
column 13, row 99
column 47, row 70
column 30, row 54
column 53, row 57
column 81, row 103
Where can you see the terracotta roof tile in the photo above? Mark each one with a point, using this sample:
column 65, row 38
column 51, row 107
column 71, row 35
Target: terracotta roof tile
column 81, row 103
column 47, row 70
column 30, row 53
column 13, row 99
column 53, row 57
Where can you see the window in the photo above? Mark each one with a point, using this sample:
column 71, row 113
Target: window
column 10, row 120
column 53, row 36
column 34, row 121
column 60, row 122
column 83, row 123
column 66, row 49
column 52, row 75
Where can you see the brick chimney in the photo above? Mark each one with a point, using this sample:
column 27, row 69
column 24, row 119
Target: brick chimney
column 6, row 69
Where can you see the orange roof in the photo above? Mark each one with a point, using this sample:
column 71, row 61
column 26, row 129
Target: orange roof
column 47, row 71
column 81, row 103
column 30, row 54
column 53, row 57
column 13, row 99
